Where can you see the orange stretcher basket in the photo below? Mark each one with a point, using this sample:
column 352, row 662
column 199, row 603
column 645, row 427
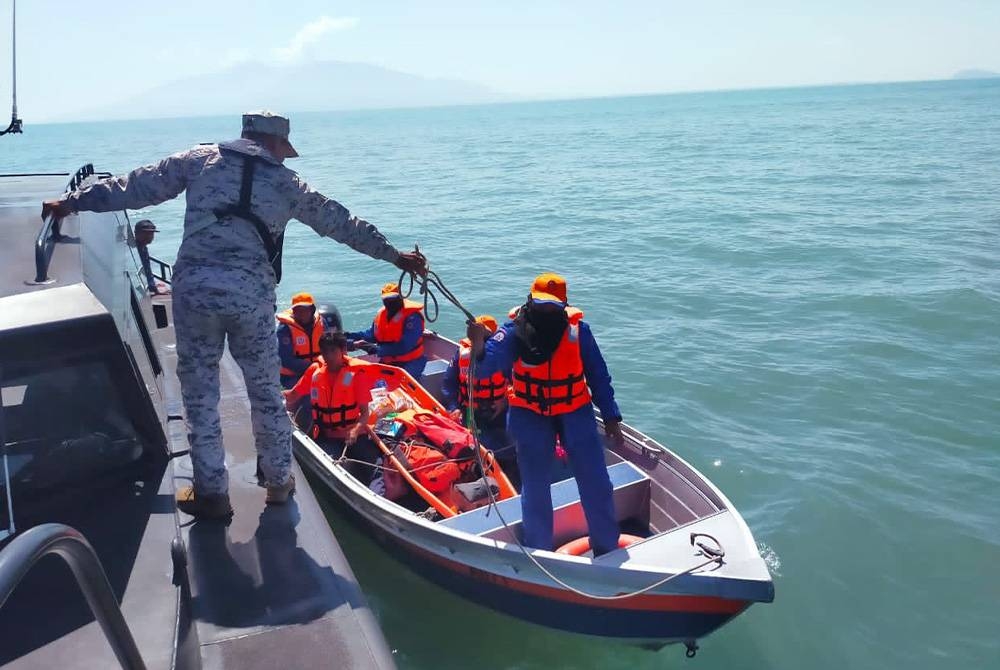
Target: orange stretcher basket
column 397, row 378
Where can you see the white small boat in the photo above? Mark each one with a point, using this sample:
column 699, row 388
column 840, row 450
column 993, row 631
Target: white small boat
column 683, row 521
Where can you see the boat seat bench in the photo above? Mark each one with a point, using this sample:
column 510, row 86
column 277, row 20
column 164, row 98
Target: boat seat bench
column 626, row 481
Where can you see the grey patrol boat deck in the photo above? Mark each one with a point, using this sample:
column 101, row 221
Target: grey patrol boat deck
column 103, row 450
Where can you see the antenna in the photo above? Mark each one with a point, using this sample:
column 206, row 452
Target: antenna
column 15, row 123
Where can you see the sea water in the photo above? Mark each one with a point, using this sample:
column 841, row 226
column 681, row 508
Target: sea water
column 797, row 290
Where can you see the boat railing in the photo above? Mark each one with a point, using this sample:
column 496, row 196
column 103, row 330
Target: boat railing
column 50, row 233
column 161, row 269
column 24, row 552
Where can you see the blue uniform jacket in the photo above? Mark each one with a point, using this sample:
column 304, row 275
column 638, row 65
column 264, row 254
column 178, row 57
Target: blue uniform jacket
column 287, row 353
column 413, row 328
column 499, row 354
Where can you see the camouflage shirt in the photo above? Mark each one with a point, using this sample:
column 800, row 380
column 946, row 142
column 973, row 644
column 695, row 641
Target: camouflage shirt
column 222, row 264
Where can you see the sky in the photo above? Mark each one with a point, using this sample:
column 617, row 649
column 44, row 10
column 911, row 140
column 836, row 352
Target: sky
column 78, row 55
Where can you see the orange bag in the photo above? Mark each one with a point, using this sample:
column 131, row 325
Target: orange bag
column 429, row 466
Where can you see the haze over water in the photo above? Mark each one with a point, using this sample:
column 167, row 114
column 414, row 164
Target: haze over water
column 797, row 290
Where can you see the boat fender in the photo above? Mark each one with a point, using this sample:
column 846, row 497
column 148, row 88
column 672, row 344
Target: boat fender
column 581, row 545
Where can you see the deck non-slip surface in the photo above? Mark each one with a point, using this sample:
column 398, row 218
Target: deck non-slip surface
column 47, row 624
column 272, row 588
column 20, row 209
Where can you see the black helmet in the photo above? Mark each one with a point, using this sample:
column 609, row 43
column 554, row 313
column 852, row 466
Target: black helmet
column 331, row 317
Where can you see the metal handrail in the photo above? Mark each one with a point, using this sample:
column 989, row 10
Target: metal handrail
column 164, row 271
column 25, row 550
column 49, row 233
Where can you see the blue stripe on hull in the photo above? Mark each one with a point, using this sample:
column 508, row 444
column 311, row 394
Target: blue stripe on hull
column 572, row 617
column 575, row 618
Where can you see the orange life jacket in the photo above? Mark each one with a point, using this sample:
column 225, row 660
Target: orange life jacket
column 305, row 345
column 336, row 407
column 430, row 467
column 391, row 330
column 557, row 386
column 484, row 391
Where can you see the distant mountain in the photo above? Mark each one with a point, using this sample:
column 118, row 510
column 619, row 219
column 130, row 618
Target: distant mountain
column 975, row 74
column 306, row 87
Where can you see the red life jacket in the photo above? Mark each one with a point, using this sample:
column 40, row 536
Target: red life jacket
column 389, row 330
column 484, row 391
column 305, row 345
column 430, row 467
column 336, row 407
column 433, row 464
column 439, row 430
column 557, row 386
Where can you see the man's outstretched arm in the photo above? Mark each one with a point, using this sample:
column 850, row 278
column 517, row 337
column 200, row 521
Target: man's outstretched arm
column 143, row 187
column 331, row 219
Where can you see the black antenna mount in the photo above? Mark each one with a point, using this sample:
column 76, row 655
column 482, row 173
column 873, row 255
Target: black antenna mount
column 15, row 123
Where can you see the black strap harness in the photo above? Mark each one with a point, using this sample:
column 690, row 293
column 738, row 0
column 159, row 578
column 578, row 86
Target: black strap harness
column 535, row 389
column 337, row 416
column 242, row 210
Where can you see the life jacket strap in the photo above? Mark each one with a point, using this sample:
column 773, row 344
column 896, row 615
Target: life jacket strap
column 272, row 247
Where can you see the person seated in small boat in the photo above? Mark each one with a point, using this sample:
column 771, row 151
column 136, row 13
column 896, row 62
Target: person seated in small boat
column 397, row 332
column 489, row 400
column 557, row 373
column 339, row 388
column 298, row 338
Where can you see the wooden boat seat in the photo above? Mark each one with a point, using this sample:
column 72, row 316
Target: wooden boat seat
column 631, row 490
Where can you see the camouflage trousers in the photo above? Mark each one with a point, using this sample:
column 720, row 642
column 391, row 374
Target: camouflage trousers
column 201, row 336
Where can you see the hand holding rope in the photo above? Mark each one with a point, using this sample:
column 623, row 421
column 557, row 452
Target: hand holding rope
column 421, row 276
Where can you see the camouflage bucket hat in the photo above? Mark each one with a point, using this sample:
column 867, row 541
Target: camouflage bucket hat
column 270, row 123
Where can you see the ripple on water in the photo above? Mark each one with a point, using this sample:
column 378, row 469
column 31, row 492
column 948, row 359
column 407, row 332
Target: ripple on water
column 799, row 285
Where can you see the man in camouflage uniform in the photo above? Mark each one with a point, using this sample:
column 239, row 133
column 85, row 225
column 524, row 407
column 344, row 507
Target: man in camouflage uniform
column 224, row 283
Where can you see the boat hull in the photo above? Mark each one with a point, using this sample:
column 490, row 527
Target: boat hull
column 663, row 619
column 484, row 575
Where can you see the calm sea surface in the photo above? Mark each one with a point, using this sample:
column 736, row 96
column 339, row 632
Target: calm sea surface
column 797, row 290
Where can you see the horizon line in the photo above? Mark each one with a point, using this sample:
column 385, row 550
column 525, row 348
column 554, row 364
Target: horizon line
column 520, row 100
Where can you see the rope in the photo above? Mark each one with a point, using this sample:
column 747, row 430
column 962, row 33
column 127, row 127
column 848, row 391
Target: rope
column 343, row 458
column 716, row 556
column 424, row 284
column 432, row 279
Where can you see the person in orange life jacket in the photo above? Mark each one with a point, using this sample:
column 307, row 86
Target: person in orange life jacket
column 556, row 372
column 490, row 398
column 298, row 338
column 398, row 332
column 339, row 389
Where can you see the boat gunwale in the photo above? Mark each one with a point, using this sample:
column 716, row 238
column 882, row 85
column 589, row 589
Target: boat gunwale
column 580, row 564
column 631, row 433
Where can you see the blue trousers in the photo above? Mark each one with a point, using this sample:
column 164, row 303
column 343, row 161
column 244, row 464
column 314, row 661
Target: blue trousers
column 535, row 436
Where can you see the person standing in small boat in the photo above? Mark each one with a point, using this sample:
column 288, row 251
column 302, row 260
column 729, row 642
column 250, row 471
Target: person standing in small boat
column 339, row 388
column 298, row 338
column 557, row 373
column 489, row 399
column 397, row 332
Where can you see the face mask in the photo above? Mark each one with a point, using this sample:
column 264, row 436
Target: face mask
column 393, row 306
column 539, row 334
column 547, row 321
